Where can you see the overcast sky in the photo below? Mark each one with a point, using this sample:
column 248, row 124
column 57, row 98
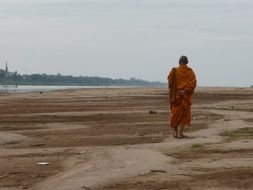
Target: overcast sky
column 129, row 38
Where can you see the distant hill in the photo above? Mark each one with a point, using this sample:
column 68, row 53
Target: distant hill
column 61, row 80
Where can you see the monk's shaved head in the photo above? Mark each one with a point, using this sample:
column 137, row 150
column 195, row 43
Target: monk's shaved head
column 183, row 60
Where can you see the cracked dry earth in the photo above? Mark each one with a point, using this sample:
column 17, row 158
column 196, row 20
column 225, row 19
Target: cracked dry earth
column 107, row 139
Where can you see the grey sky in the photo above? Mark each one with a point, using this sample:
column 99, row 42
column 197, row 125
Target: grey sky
column 129, row 38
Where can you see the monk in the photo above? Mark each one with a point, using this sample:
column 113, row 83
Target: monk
column 182, row 82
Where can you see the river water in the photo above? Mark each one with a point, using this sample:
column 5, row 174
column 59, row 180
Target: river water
column 26, row 89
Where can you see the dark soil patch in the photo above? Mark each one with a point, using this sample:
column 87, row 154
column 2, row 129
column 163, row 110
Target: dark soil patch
column 249, row 120
column 23, row 171
column 239, row 178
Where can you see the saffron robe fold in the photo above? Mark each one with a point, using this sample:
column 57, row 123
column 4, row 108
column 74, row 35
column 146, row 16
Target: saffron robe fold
column 184, row 78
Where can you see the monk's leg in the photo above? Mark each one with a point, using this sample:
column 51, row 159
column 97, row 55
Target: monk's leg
column 175, row 132
column 180, row 132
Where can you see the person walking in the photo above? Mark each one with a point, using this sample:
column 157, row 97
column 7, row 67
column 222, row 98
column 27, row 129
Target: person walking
column 182, row 83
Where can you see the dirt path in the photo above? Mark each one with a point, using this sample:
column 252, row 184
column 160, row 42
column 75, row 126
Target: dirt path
column 107, row 139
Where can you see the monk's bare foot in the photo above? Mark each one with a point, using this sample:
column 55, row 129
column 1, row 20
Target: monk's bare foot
column 182, row 136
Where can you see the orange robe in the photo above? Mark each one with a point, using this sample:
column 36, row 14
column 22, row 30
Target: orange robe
column 181, row 104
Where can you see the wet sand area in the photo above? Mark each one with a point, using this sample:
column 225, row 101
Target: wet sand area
column 115, row 139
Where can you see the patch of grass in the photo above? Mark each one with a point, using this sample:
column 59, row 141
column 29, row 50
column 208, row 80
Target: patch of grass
column 197, row 145
column 244, row 133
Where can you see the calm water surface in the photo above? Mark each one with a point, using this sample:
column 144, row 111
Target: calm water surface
column 24, row 89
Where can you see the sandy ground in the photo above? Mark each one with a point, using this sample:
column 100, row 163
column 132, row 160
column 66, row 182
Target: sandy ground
column 107, row 139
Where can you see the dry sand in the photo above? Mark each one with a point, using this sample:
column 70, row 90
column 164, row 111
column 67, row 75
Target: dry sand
column 106, row 139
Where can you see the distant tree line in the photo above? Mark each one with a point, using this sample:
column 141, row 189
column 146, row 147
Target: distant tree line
column 14, row 78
